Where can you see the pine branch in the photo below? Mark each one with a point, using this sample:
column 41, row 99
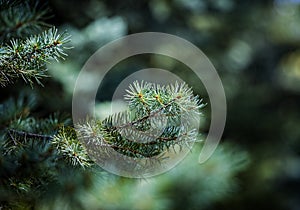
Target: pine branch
column 27, row 58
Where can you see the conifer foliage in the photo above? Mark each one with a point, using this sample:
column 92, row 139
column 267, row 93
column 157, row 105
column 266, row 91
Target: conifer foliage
column 27, row 58
column 25, row 44
column 45, row 163
column 157, row 119
column 35, row 150
column 29, row 158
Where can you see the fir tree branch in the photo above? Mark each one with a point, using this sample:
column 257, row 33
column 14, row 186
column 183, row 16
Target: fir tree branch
column 27, row 58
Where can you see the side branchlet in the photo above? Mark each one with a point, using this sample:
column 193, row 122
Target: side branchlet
column 27, row 58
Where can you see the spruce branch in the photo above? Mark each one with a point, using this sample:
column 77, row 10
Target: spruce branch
column 49, row 136
column 70, row 148
column 24, row 133
column 32, row 150
column 27, row 58
column 158, row 118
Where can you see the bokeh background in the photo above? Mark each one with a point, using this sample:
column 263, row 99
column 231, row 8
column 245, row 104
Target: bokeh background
column 255, row 47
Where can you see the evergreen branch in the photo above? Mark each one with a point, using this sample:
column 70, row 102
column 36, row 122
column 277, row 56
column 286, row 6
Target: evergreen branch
column 27, row 58
column 21, row 19
column 23, row 133
column 154, row 122
column 70, row 148
column 46, row 126
column 13, row 132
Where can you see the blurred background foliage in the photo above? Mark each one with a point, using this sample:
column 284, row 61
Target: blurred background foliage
column 255, row 47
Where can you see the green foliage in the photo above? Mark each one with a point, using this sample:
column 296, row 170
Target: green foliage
column 70, row 148
column 43, row 165
column 158, row 118
column 24, row 53
column 33, row 153
column 30, row 160
column 27, row 58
